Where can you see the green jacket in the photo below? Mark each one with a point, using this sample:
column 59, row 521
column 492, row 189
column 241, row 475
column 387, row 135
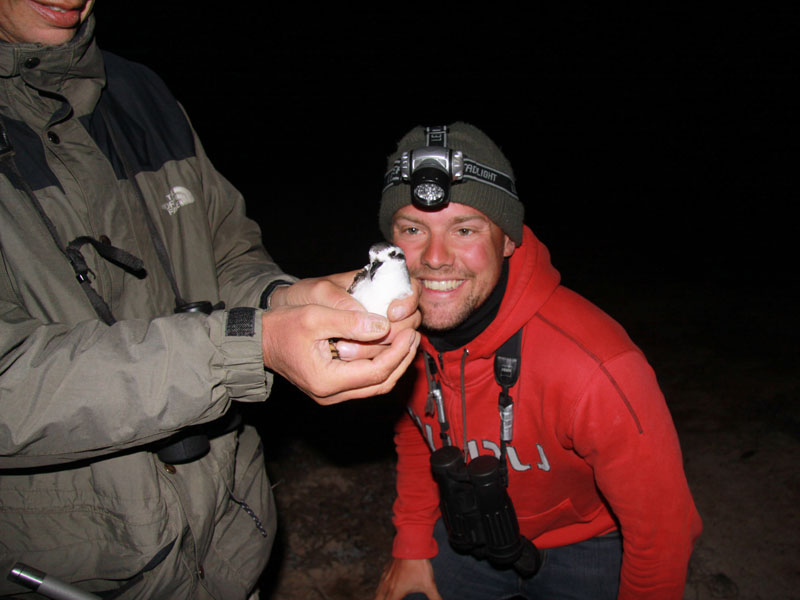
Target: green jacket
column 83, row 496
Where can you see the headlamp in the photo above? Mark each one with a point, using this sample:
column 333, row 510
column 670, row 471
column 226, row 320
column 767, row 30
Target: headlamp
column 432, row 169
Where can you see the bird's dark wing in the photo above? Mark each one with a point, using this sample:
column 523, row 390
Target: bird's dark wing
column 360, row 276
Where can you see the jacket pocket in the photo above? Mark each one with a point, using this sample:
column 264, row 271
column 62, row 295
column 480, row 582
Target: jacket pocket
column 106, row 520
column 560, row 516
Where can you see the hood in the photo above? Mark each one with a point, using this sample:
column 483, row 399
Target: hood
column 532, row 279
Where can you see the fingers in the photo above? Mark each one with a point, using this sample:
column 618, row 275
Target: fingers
column 295, row 344
column 323, row 322
column 375, row 351
column 330, row 291
column 404, row 307
column 352, row 349
column 412, row 321
column 348, row 350
column 405, row 576
column 404, row 312
column 363, row 378
column 350, row 325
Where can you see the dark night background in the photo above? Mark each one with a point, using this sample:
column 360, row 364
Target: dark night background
column 656, row 150
column 647, row 142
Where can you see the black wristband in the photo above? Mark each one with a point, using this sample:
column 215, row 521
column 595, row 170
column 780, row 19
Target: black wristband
column 264, row 302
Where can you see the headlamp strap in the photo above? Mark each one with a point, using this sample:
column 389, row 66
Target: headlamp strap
column 485, row 174
column 436, row 136
column 472, row 170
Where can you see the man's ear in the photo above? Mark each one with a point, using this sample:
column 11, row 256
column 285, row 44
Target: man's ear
column 508, row 247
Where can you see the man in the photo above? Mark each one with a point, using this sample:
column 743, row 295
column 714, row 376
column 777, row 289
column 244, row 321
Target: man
column 138, row 308
column 588, row 450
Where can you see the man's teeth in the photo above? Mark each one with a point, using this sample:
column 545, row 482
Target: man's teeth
column 442, row 286
column 57, row 9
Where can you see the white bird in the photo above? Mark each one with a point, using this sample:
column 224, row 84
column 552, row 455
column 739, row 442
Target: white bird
column 384, row 279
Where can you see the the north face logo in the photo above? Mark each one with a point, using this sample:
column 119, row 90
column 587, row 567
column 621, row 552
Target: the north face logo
column 178, row 196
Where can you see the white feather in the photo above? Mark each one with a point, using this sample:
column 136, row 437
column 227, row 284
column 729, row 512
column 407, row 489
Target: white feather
column 384, row 279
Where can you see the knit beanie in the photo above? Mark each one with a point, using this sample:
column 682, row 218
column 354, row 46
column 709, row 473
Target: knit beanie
column 503, row 208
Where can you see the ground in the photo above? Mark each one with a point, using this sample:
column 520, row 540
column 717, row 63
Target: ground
column 727, row 361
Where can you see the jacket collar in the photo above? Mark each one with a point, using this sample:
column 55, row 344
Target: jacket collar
column 58, row 69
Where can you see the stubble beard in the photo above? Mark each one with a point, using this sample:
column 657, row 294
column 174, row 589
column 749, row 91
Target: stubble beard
column 436, row 320
column 450, row 321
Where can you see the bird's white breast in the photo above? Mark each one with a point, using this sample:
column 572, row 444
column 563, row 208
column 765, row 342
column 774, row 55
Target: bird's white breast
column 383, row 280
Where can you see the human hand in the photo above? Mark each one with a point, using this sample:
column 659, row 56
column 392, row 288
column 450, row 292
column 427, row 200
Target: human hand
column 403, row 314
column 405, row 576
column 331, row 291
column 295, row 345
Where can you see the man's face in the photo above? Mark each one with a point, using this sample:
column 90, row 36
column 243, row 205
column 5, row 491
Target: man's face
column 456, row 254
column 49, row 22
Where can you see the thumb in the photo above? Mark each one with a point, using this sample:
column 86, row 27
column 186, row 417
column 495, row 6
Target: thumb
column 352, row 325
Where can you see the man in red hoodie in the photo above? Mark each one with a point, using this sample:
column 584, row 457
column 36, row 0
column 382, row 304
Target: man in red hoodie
column 564, row 482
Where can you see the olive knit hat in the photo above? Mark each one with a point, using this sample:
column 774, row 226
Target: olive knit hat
column 503, row 208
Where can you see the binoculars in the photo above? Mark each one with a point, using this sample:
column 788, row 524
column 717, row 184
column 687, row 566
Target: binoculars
column 479, row 514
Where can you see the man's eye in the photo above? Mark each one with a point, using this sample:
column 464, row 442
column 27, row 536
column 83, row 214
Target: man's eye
column 411, row 230
column 464, row 231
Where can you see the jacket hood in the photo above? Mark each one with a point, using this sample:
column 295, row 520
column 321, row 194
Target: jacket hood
column 532, row 279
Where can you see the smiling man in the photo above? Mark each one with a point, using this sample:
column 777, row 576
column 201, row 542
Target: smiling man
column 538, row 457
column 456, row 254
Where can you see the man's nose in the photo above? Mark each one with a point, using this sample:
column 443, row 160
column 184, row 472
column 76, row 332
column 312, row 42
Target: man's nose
column 437, row 253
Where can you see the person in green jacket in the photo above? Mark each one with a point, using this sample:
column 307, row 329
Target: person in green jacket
column 137, row 308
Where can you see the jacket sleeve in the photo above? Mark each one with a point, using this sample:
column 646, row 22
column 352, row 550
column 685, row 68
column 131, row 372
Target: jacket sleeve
column 70, row 393
column 416, row 507
column 623, row 429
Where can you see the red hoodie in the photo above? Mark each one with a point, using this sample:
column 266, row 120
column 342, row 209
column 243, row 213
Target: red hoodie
column 594, row 447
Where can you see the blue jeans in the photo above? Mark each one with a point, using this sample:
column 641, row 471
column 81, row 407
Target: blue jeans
column 587, row 570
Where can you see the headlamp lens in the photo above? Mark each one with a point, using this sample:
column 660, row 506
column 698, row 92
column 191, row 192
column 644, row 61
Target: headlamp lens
column 430, row 187
column 429, row 192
